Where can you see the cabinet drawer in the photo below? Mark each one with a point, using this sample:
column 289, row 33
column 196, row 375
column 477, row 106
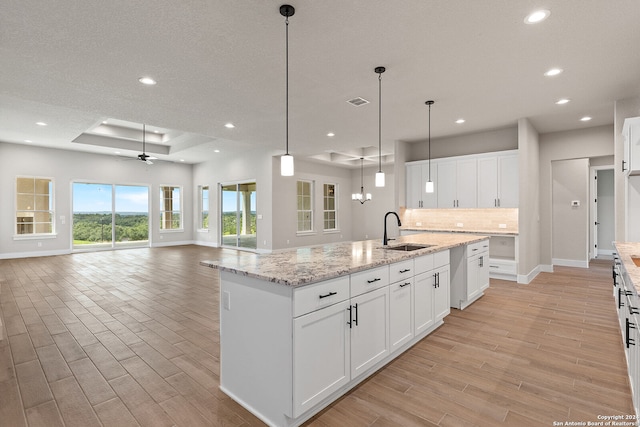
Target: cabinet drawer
column 368, row 280
column 440, row 259
column 502, row 266
column 323, row 294
column 424, row 263
column 477, row 247
column 401, row 270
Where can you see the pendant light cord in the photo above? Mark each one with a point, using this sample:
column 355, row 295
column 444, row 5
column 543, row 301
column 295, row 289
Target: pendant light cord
column 144, row 132
column 429, row 142
column 286, row 21
column 362, row 176
column 379, row 122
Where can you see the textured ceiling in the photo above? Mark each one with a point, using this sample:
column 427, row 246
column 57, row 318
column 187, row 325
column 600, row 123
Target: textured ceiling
column 73, row 64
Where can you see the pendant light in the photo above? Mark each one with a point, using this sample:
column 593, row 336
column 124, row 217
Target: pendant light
column 361, row 196
column 286, row 161
column 379, row 174
column 429, row 188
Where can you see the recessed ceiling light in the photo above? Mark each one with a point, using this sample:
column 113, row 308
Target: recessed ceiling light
column 182, row 160
column 104, row 123
column 41, row 123
column 229, row 125
column 537, row 16
column 460, row 121
column 216, row 151
column 553, row 72
column 117, row 152
column 562, row 101
column 330, row 134
column 156, row 131
column 28, row 140
column 585, row 119
column 147, row 81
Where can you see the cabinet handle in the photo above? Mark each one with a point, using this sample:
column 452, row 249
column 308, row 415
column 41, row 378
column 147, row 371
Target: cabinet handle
column 494, row 266
column 633, row 310
column 495, row 203
column 498, row 202
column 355, row 320
column 350, row 318
column 629, row 341
column 405, row 270
column 374, row 280
column 402, row 285
column 436, row 280
column 481, row 261
column 620, row 302
column 623, row 168
column 328, row 295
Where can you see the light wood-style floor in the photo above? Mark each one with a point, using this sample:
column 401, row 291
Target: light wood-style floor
column 130, row 337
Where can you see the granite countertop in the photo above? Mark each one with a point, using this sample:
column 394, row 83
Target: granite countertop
column 303, row 266
column 626, row 250
column 491, row 232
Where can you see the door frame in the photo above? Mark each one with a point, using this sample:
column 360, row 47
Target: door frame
column 593, row 211
column 219, row 219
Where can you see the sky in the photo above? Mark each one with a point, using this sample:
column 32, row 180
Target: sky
column 97, row 198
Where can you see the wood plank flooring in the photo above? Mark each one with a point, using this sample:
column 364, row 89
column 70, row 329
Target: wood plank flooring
column 130, row 337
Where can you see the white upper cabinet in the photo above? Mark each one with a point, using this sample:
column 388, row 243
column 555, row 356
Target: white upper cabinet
column 417, row 177
column 498, row 181
column 457, row 183
column 474, row 181
column 631, row 132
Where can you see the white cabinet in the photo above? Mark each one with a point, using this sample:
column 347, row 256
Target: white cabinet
column 441, row 293
column 631, row 133
column 321, row 355
column 457, row 183
column 369, row 330
column 498, row 181
column 417, row 176
column 471, row 276
column 400, row 313
column 431, row 290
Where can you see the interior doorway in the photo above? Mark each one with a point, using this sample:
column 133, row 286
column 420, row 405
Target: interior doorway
column 602, row 211
column 238, row 225
column 108, row 216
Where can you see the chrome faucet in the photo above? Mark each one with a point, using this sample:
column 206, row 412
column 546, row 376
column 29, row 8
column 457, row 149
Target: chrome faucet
column 385, row 240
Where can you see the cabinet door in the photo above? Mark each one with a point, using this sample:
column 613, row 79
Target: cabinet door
column 473, row 285
column 488, row 182
column 447, row 185
column 414, row 189
column 321, row 355
column 370, row 330
column 441, row 293
column 423, row 301
column 508, row 178
column 483, row 271
column 467, row 183
column 400, row 313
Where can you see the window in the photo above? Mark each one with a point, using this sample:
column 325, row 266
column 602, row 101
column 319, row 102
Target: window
column 330, row 207
column 203, row 220
column 170, row 208
column 34, row 206
column 305, row 206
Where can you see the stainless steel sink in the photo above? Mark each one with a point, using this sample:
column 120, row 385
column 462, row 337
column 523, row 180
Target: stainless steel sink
column 408, row 247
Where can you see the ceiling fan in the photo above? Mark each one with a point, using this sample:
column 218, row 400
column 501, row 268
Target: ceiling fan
column 144, row 157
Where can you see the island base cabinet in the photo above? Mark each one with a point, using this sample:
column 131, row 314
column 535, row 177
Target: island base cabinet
column 469, row 273
column 401, row 313
column 321, row 360
column 369, row 330
column 441, row 293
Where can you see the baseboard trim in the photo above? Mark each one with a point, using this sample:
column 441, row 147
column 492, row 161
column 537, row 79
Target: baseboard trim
column 570, row 263
column 32, row 254
column 525, row 279
column 178, row 243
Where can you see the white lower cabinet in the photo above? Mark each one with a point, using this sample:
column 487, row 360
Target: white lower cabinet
column 321, row 355
column 431, row 293
column 369, row 330
column 471, row 277
column 441, row 293
column 401, row 313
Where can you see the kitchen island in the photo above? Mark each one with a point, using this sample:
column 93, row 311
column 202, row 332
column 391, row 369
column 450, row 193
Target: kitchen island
column 301, row 327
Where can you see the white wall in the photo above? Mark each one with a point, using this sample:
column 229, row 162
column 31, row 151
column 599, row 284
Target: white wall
column 570, row 224
column 65, row 167
column 576, row 144
column 459, row 145
column 254, row 165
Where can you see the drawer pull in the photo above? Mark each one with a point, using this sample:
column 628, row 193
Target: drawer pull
column 405, row 284
column 328, row 295
column 494, row 266
column 405, row 270
column 374, row 280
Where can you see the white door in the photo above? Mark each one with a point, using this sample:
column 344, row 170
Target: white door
column 447, row 185
column 604, row 214
column 473, row 284
column 467, row 183
column 508, row 178
column 400, row 313
column 321, row 355
column 370, row 330
column 423, row 301
column 488, row 182
column 441, row 293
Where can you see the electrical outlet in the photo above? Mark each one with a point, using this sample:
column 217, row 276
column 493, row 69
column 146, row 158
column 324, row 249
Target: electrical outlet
column 265, row 243
column 62, row 219
column 287, row 241
column 39, row 244
column 366, row 236
column 259, row 216
column 459, row 224
column 226, row 300
column 418, row 224
column 502, row 225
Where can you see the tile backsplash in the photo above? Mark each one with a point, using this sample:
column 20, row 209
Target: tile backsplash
column 498, row 219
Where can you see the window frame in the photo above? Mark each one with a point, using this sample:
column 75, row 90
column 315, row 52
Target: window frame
column 51, row 211
column 163, row 211
column 309, row 211
column 336, row 193
column 201, row 207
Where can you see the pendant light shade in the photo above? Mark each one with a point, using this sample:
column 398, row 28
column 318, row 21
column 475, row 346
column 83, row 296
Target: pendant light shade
column 286, row 161
column 379, row 174
column 429, row 187
column 361, row 196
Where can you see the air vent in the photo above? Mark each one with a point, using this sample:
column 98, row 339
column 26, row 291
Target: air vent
column 358, row 101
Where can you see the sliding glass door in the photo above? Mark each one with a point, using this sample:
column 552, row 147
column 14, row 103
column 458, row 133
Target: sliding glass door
column 108, row 216
column 238, row 215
